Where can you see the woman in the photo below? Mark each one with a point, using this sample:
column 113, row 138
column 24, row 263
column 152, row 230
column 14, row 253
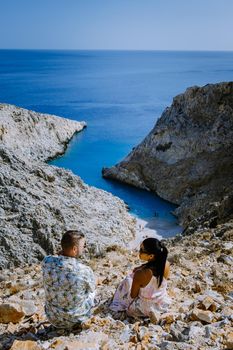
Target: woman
column 144, row 291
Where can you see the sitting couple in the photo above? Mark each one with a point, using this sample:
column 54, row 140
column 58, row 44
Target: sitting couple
column 70, row 285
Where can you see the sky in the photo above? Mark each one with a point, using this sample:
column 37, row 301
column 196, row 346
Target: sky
column 117, row 24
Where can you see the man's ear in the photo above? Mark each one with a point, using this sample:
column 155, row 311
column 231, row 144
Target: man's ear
column 75, row 249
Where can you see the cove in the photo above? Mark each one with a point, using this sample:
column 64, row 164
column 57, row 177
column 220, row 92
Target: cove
column 120, row 94
column 85, row 157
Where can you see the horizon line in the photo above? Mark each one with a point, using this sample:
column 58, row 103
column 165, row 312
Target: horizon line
column 127, row 50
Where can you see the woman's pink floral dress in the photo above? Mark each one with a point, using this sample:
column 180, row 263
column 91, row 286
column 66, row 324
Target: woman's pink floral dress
column 150, row 298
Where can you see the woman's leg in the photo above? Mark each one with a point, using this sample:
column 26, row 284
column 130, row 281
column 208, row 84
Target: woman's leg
column 135, row 308
column 122, row 299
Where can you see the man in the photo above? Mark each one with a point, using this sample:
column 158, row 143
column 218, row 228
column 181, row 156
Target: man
column 69, row 285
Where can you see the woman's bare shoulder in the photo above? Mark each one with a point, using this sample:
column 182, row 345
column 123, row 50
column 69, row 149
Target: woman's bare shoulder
column 143, row 276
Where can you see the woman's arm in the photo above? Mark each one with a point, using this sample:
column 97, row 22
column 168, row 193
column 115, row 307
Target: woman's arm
column 167, row 270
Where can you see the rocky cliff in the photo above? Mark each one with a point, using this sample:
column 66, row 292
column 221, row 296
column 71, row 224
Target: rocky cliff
column 187, row 157
column 39, row 202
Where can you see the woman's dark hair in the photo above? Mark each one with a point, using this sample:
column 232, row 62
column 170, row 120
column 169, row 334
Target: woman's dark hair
column 70, row 239
column 154, row 246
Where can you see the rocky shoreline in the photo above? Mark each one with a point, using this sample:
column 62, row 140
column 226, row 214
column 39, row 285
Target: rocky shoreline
column 187, row 157
column 39, row 202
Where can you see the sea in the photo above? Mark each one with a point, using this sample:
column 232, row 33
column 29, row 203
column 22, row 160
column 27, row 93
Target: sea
column 120, row 95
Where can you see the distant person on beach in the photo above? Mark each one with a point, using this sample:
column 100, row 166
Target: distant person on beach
column 69, row 285
column 144, row 291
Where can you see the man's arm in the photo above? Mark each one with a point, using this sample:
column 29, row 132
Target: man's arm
column 90, row 280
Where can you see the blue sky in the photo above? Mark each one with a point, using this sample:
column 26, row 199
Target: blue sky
column 117, row 24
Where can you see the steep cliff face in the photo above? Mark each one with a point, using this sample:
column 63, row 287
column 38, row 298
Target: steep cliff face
column 39, row 202
column 187, row 157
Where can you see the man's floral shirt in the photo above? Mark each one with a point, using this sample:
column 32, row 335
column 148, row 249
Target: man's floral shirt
column 69, row 290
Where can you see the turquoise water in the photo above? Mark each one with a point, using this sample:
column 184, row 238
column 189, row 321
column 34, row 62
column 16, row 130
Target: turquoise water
column 119, row 94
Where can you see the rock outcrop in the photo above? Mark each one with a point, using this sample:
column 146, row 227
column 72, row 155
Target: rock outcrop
column 35, row 136
column 187, row 157
column 39, row 202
